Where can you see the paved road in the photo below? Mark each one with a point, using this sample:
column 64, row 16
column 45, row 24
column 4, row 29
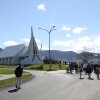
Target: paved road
column 55, row 86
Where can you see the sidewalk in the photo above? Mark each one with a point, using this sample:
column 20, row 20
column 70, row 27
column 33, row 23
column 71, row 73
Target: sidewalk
column 3, row 76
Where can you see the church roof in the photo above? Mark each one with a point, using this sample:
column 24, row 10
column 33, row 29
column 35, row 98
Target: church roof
column 12, row 51
column 23, row 52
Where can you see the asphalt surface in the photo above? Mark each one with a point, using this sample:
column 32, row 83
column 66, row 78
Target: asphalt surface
column 54, row 85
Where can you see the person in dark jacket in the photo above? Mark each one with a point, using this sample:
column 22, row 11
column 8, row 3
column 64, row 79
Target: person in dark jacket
column 71, row 67
column 80, row 70
column 97, row 70
column 89, row 70
column 18, row 74
column 76, row 68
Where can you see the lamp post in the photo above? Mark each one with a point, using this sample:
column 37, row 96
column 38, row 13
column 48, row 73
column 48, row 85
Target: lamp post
column 49, row 32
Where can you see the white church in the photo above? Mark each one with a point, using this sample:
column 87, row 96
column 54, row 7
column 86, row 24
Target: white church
column 21, row 54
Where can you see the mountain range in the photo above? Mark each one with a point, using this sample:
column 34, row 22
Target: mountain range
column 60, row 55
column 1, row 49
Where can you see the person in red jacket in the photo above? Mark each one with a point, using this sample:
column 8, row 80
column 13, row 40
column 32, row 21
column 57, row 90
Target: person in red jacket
column 18, row 74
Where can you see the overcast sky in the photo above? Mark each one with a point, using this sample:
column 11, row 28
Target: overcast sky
column 77, row 23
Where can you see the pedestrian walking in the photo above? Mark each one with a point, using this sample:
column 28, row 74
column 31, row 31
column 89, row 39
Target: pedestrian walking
column 97, row 70
column 18, row 74
column 80, row 70
column 84, row 67
column 89, row 70
column 76, row 68
column 71, row 67
column 67, row 68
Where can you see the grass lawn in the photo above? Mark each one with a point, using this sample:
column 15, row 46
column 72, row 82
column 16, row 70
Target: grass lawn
column 6, row 71
column 12, row 80
column 8, row 66
column 46, row 67
column 25, row 75
column 34, row 67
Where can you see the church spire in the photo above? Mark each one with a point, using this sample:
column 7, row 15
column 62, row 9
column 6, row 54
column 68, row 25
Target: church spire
column 33, row 49
column 31, row 32
column 33, row 56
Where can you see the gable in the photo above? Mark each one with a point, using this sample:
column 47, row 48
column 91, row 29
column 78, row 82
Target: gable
column 11, row 51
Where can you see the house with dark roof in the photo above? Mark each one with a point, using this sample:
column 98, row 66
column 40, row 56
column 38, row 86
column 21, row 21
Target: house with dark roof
column 21, row 54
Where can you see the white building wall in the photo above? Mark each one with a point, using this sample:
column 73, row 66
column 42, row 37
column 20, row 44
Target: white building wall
column 30, row 61
column 31, row 52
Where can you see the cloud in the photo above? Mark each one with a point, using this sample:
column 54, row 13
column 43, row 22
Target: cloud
column 65, row 28
column 45, row 48
column 9, row 43
column 38, row 41
column 81, row 44
column 41, row 7
column 68, row 35
column 97, row 41
column 78, row 30
column 62, row 43
column 26, row 41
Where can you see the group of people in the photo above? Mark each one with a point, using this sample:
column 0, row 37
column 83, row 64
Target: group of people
column 87, row 68
column 72, row 66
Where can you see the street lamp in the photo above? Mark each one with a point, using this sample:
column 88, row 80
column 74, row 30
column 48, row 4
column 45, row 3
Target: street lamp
column 49, row 32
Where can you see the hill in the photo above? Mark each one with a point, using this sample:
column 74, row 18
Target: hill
column 60, row 55
column 1, row 49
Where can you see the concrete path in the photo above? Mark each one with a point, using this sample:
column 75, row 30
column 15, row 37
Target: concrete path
column 3, row 76
column 55, row 85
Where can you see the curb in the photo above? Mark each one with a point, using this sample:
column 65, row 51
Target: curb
column 13, row 84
